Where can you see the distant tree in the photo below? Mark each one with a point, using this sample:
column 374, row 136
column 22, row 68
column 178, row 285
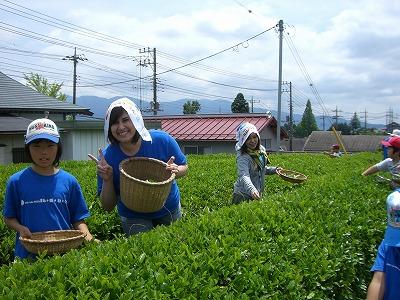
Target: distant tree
column 240, row 105
column 191, row 107
column 343, row 127
column 355, row 124
column 41, row 84
column 307, row 124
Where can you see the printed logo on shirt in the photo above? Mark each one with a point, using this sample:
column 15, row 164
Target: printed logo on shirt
column 42, row 200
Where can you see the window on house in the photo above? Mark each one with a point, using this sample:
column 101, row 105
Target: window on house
column 18, row 155
column 267, row 143
column 193, row 150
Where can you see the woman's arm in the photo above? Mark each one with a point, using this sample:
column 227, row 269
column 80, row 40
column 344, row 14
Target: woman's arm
column 179, row 170
column 108, row 197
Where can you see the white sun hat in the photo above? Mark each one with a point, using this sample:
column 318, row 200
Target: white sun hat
column 134, row 115
column 42, row 129
column 243, row 132
column 395, row 132
column 392, row 233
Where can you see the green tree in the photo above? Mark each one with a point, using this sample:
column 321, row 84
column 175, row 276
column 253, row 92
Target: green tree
column 191, row 107
column 41, row 84
column 355, row 124
column 307, row 123
column 240, row 105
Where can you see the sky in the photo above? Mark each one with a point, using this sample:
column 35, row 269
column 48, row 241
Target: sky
column 344, row 56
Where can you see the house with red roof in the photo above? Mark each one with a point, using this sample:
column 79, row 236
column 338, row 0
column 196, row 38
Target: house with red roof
column 210, row 134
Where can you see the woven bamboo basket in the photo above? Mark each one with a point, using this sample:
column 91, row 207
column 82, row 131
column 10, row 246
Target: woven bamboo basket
column 145, row 183
column 52, row 242
column 291, row 176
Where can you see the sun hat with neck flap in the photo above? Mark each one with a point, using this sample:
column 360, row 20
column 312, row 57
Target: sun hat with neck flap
column 243, row 132
column 392, row 233
column 133, row 113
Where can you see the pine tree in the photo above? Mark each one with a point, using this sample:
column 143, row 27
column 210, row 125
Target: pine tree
column 307, row 123
column 240, row 105
column 355, row 124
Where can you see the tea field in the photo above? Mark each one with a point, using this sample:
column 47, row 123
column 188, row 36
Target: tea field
column 315, row 240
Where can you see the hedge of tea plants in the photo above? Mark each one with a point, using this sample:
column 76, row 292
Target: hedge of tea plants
column 315, row 240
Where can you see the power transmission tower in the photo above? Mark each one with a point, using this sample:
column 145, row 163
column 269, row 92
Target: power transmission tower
column 155, row 106
column 336, row 117
column 75, row 59
column 389, row 117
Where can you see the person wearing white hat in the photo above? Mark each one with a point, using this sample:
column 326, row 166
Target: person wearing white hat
column 251, row 161
column 128, row 137
column 43, row 197
column 386, row 278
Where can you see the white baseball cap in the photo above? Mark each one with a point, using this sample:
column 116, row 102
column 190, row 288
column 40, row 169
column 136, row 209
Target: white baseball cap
column 42, row 129
column 134, row 115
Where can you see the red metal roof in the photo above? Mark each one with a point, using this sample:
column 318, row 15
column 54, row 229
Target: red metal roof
column 210, row 127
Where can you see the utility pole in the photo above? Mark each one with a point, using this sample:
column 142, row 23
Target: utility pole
column 278, row 126
column 336, row 111
column 141, row 64
column 323, row 121
column 290, row 114
column 155, row 106
column 365, row 118
column 75, row 59
column 252, row 101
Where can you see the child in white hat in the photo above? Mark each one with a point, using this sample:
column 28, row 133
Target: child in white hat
column 43, row 197
column 386, row 279
column 251, row 160
column 128, row 137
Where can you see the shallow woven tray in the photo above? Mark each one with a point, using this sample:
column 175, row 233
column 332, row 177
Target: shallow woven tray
column 52, row 242
column 145, row 183
column 291, row 176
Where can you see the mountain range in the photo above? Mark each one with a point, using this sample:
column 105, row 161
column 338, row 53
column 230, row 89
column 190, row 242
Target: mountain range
column 99, row 105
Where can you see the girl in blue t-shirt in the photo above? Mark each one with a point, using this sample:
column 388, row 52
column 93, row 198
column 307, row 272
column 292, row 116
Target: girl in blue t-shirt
column 124, row 129
column 42, row 197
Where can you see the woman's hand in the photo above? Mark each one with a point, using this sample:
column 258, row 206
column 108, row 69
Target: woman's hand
column 171, row 166
column 104, row 170
column 255, row 195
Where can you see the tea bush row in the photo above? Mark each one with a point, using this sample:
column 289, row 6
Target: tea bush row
column 316, row 240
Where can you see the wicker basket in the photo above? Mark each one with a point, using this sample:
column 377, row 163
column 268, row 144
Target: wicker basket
column 291, row 176
column 145, row 183
column 52, row 242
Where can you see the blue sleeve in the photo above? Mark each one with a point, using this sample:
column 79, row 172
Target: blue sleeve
column 77, row 204
column 11, row 200
column 180, row 158
column 379, row 264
